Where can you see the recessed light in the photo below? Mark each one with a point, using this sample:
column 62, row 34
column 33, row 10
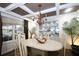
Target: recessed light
column 68, row 10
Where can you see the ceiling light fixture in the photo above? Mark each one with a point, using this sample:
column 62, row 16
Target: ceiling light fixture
column 68, row 10
column 40, row 21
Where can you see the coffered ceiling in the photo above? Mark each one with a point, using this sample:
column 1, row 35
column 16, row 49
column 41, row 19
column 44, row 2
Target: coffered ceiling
column 49, row 14
column 24, row 10
column 62, row 3
column 20, row 11
column 4, row 5
column 34, row 6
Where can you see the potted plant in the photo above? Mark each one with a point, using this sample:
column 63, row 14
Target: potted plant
column 72, row 29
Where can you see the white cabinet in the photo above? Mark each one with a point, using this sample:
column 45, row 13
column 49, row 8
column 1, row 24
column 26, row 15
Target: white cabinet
column 8, row 46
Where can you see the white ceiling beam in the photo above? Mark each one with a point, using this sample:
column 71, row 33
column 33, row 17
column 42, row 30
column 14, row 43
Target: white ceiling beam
column 57, row 8
column 25, row 8
column 13, row 6
column 54, row 8
column 13, row 14
column 9, row 16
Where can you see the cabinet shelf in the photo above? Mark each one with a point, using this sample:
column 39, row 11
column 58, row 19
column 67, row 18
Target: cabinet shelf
column 52, row 27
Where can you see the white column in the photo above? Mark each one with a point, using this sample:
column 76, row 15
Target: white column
column 57, row 8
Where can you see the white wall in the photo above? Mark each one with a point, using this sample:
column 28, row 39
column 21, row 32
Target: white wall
column 32, row 24
column 63, row 36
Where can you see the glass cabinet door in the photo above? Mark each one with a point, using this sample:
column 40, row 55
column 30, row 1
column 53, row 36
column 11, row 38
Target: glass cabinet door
column 7, row 33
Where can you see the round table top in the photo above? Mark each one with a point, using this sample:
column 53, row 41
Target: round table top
column 49, row 45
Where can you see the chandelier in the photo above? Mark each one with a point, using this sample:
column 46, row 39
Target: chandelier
column 40, row 21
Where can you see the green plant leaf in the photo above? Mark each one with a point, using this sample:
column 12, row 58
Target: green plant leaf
column 72, row 28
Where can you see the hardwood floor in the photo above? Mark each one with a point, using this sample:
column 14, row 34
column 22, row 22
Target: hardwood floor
column 11, row 53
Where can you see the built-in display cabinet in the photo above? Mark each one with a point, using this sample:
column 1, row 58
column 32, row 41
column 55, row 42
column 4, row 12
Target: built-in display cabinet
column 9, row 28
column 8, row 31
column 50, row 28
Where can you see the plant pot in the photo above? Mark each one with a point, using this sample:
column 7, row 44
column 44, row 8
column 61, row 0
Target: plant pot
column 75, row 49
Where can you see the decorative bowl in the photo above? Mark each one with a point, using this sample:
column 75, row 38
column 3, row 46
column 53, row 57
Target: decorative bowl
column 42, row 41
